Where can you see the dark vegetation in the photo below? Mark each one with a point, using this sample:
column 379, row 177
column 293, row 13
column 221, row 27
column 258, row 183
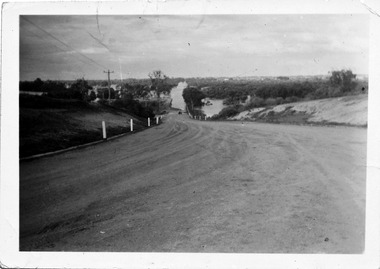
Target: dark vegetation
column 275, row 91
column 55, row 89
column 133, row 107
column 49, row 122
column 193, row 97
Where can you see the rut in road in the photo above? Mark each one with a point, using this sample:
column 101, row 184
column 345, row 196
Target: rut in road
column 199, row 186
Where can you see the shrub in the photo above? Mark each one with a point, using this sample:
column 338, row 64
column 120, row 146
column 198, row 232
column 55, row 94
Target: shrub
column 344, row 79
column 133, row 107
column 257, row 102
column 291, row 99
column 270, row 102
column 279, row 100
column 227, row 112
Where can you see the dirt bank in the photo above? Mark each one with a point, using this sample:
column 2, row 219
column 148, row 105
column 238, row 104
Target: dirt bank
column 348, row 110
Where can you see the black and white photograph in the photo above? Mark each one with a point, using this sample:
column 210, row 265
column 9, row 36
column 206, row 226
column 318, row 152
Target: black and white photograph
column 177, row 132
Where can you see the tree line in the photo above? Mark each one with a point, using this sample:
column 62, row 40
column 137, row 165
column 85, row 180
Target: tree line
column 271, row 92
column 80, row 90
column 233, row 92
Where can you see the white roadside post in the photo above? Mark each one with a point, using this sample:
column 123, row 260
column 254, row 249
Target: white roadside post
column 148, row 122
column 156, row 120
column 131, row 125
column 104, row 130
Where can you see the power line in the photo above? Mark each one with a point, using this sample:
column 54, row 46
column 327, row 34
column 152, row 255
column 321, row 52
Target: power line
column 55, row 45
column 68, row 46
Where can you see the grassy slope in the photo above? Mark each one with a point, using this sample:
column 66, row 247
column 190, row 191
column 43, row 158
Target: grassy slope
column 49, row 124
column 348, row 110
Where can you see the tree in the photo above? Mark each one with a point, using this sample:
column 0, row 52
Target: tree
column 137, row 90
column 159, row 84
column 38, row 83
column 81, row 87
column 104, row 83
column 31, row 86
column 104, row 94
column 193, row 96
column 344, row 79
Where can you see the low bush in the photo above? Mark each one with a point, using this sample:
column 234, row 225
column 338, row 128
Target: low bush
column 291, row 99
column 270, row 102
column 279, row 100
column 227, row 112
column 255, row 102
column 133, row 107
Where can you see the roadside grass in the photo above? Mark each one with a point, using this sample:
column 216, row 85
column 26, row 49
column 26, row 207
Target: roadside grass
column 48, row 124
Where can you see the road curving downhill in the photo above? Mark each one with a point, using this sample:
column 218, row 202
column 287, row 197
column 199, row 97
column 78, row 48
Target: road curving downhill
column 199, row 186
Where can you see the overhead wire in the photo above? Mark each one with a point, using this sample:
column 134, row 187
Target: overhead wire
column 63, row 43
column 41, row 37
column 100, row 41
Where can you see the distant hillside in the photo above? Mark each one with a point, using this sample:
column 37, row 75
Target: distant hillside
column 348, row 110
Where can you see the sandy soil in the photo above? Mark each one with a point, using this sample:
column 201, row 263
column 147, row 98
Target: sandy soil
column 348, row 110
column 196, row 186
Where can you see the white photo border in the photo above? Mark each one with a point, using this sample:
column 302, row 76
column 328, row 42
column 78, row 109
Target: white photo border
column 10, row 256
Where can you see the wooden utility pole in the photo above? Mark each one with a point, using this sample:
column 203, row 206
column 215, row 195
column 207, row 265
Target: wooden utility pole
column 109, row 83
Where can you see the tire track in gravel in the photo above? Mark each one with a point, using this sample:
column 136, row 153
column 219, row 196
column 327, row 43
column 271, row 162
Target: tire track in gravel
column 196, row 186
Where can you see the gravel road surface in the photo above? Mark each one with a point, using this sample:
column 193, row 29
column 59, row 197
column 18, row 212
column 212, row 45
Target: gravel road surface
column 197, row 186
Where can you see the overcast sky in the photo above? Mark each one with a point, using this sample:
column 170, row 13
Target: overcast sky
column 69, row 47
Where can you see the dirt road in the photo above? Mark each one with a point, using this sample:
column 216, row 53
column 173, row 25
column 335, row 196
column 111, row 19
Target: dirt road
column 192, row 186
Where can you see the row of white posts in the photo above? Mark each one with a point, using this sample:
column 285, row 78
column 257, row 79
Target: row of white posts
column 197, row 117
column 130, row 124
column 157, row 120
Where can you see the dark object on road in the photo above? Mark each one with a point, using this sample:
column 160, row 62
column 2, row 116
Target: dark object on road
column 180, row 112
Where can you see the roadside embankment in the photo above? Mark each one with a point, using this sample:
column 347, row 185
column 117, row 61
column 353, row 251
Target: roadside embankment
column 347, row 110
column 48, row 124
